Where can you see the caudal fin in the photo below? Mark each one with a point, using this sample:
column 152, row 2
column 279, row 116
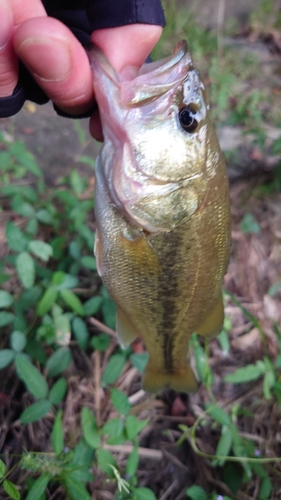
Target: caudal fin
column 155, row 380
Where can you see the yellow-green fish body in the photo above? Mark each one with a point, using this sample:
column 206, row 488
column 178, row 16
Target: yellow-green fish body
column 162, row 211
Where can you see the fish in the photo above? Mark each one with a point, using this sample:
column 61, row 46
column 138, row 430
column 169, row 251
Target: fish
column 162, row 211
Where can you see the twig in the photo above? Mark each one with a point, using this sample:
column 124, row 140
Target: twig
column 102, row 327
column 128, row 448
column 252, row 437
column 169, row 490
column 135, row 398
column 175, row 460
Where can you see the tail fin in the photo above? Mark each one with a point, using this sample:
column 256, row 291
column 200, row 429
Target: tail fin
column 155, row 380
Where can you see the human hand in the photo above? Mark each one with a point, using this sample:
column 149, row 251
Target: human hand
column 56, row 59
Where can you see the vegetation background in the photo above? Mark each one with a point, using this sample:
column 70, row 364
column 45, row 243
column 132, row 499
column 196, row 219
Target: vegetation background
column 74, row 421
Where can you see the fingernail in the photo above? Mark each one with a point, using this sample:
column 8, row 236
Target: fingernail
column 48, row 60
column 129, row 73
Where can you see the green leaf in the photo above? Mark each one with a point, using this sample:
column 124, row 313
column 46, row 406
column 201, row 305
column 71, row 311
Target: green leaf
column 58, row 391
column 224, row 342
column 47, row 301
column 265, row 489
column 38, row 487
column 105, row 460
column 249, row 224
column 11, row 489
column 120, row 401
column 26, row 210
column 232, row 477
column 32, row 378
column 29, row 298
column 87, row 159
column 274, row 289
column 36, row 411
column 6, row 299
column 92, row 306
column 90, row 428
column 100, row 342
column 134, row 426
column 132, row 462
column 109, row 312
column 59, row 361
column 64, row 281
column 75, row 249
column 113, row 369
column 76, row 489
column 113, row 427
column 89, row 262
column 45, row 217
column 218, row 414
column 224, row 445
column 139, row 361
column 3, row 468
column 87, row 235
column 28, row 161
column 17, row 341
column 268, row 383
column 80, row 331
column 6, row 318
column 81, row 474
column 76, row 182
column 62, row 325
column 83, row 454
column 4, row 278
column 144, row 494
column 245, row 374
column 25, row 269
column 41, row 249
column 16, row 239
column 6, row 357
column 72, row 301
column 196, row 493
column 35, row 350
column 57, row 434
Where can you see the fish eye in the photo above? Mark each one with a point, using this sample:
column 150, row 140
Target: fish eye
column 187, row 119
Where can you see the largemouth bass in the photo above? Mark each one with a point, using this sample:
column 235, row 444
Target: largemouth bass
column 162, row 211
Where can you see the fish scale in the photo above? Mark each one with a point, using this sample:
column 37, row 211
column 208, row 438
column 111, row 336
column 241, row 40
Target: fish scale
column 162, row 212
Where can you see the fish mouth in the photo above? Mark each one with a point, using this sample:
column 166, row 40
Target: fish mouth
column 163, row 75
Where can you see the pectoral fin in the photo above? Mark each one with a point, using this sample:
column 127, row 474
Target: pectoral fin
column 182, row 380
column 213, row 324
column 125, row 330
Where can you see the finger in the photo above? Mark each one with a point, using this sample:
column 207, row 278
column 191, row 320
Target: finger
column 126, row 47
column 24, row 10
column 57, row 61
column 8, row 60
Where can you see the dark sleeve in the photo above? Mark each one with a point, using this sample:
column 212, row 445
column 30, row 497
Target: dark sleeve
column 82, row 17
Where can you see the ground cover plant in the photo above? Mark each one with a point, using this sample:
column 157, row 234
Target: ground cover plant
column 74, row 420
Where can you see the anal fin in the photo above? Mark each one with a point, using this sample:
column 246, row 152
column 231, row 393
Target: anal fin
column 125, row 330
column 213, row 324
column 155, row 380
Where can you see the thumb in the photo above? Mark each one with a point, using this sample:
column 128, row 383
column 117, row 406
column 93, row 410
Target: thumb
column 127, row 46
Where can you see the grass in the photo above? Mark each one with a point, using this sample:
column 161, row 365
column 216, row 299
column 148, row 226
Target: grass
column 75, row 422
